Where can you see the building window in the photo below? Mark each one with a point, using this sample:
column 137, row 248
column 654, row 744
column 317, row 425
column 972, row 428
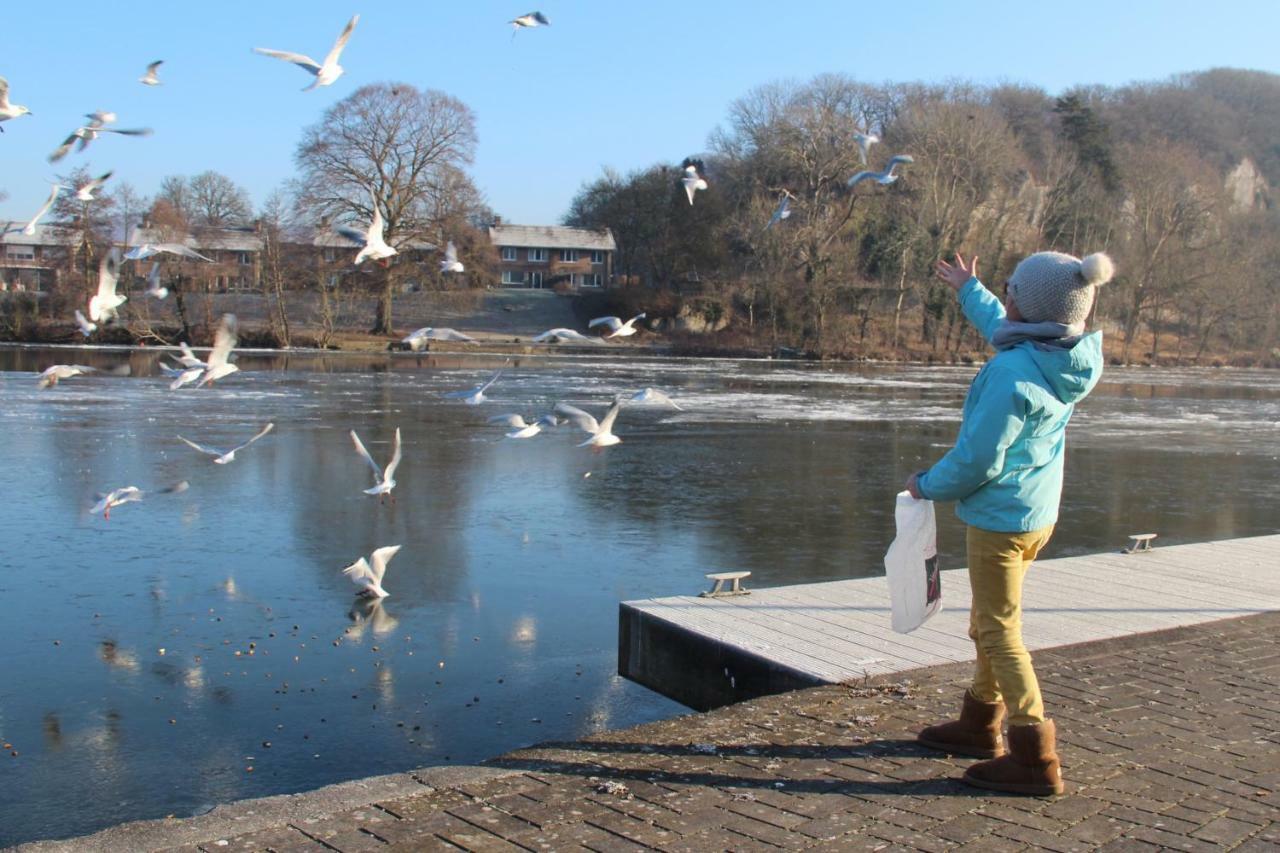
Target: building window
column 334, row 280
column 20, row 253
column 508, row 253
column 568, row 256
column 535, row 278
column 330, row 255
column 538, row 256
column 597, row 256
column 243, row 259
column 512, row 277
column 591, row 279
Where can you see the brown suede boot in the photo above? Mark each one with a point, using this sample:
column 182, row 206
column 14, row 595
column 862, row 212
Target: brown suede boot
column 976, row 733
column 1031, row 767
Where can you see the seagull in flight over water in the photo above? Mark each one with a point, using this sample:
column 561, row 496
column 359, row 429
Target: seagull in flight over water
column 473, row 396
column 653, row 395
column 97, row 126
column 782, row 211
column 561, row 335
column 30, row 228
column 86, row 328
column 384, row 479
column 450, row 262
column 887, row 176
column 372, row 244
column 153, row 282
column 147, row 250
column 150, row 78
column 52, row 375
column 224, row 341
column 601, row 431
column 528, row 22
column 368, row 574
column 418, row 338
column 222, row 457
column 9, row 110
column 522, row 428
column 692, row 181
column 103, row 304
column 864, row 142
column 325, row 72
column 617, row 328
column 130, row 494
column 85, row 191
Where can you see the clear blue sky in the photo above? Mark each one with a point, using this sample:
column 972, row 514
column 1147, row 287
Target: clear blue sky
column 609, row 83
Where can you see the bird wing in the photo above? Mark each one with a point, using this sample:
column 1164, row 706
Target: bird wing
column 209, row 450
column 451, row 253
column 359, row 572
column 83, row 323
column 338, row 45
column 613, row 323
column 153, row 277
column 355, row 439
column 492, row 379
column 511, row 420
column 108, row 275
column 65, row 148
column 376, row 227
column 151, row 67
column 860, row 177
column 266, row 429
column 453, row 335
column 355, row 236
column 610, row 416
column 178, row 249
column 189, row 358
column 581, row 419
column 224, row 341
column 395, row 459
column 48, row 203
column 4, row 94
column 380, row 558
column 133, row 131
column 690, row 186
column 306, row 63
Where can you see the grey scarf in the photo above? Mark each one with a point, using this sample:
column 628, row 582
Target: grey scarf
column 1046, row 336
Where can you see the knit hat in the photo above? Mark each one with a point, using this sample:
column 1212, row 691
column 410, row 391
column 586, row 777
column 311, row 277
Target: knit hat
column 1057, row 288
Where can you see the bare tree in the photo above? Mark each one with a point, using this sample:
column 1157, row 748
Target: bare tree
column 390, row 145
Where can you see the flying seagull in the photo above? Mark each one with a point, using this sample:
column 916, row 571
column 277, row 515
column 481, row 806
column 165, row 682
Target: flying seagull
column 188, row 358
column 181, row 375
column 653, row 395
column 150, row 78
column 865, row 141
column 450, row 262
column 130, row 494
column 384, row 479
column 601, row 431
column 473, row 396
column 325, row 72
column 562, row 335
column 368, row 574
column 86, row 190
column 528, row 22
column 522, row 428
column 887, row 176
column 52, row 375
column 692, row 181
column 97, row 126
column 617, row 328
column 30, row 227
column 153, row 282
column 782, row 211
column 7, row 109
column 418, row 338
column 224, row 341
column 371, row 241
column 103, row 304
column 222, row 457
column 147, row 250
column 86, row 328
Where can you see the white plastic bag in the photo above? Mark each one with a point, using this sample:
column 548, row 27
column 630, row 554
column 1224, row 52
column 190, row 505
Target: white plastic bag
column 911, row 564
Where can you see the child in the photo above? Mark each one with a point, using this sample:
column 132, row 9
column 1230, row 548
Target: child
column 1005, row 472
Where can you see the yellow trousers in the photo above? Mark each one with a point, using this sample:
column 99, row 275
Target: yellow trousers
column 997, row 564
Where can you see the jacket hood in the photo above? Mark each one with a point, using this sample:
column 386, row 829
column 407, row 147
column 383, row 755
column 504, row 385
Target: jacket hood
column 1071, row 373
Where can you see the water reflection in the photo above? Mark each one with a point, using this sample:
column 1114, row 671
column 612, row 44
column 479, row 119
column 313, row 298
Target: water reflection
column 503, row 604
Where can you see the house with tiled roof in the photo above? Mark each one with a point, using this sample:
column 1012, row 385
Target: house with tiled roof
column 537, row 256
column 30, row 262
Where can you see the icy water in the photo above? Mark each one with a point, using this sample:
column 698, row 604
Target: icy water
column 203, row 647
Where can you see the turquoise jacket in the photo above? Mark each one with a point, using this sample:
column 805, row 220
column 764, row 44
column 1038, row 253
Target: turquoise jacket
column 1006, row 468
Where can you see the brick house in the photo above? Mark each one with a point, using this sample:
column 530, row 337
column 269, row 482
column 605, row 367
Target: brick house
column 30, row 263
column 537, row 256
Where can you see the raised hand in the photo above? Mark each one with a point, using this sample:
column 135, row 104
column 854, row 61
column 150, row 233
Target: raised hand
column 955, row 275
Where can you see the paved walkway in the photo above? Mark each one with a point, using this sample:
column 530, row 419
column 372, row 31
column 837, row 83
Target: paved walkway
column 1170, row 740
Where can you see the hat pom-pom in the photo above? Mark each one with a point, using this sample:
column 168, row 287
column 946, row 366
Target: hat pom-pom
column 1097, row 269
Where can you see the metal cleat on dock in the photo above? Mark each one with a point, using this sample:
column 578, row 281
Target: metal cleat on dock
column 1139, row 543
column 735, row 584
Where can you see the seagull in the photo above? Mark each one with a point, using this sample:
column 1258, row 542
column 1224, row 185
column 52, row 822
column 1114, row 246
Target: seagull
column 86, row 191
column 601, row 431
column 150, row 78
column 692, row 182
column 30, row 228
column 86, row 328
column 369, row 577
column 326, row 72
column 52, row 375
column 418, row 338
column 528, row 22
column 371, row 241
column 103, row 304
column 147, row 250
column 561, row 335
column 224, row 341
column 130, row 494
column 865, row 141
column 222, row 457
column 450, row 262
column 653, row 395
column 887, row 176
column 181, row 375
column 153, row 282
column 384, row 479
column 782, row 211
column 522, row 428
column 617, row 328
column 188, row 358
column 87, row 133
column 9, row 110
column 473, row 396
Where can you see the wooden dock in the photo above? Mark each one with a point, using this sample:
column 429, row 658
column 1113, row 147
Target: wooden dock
column 709, row 652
